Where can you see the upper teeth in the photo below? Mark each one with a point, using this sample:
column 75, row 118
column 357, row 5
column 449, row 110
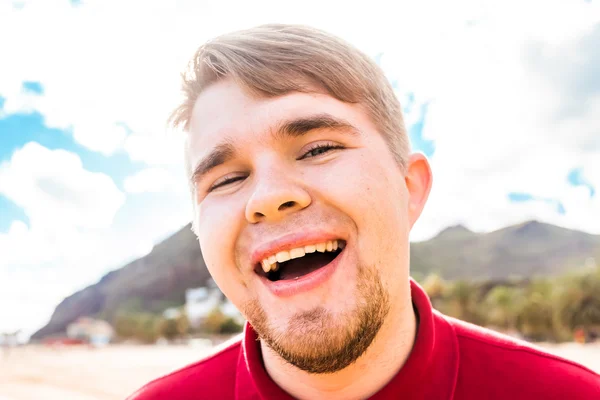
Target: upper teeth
column 272, row 262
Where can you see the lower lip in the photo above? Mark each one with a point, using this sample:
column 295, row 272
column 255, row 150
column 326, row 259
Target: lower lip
column 291, row 287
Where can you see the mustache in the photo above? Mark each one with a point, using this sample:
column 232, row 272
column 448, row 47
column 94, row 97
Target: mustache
column 297, row 222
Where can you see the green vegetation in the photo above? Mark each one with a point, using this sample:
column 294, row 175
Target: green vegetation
column 148, row 328
column 218, row 323
column 543, row 309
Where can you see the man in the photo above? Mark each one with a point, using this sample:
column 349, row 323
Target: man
column 305, row 191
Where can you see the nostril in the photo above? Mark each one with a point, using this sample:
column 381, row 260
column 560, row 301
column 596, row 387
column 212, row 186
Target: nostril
column 287, row 204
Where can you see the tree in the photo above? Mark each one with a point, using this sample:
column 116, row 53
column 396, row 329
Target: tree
column 146, row 327
column 171, row 328
column 434, row 286
column 167, row 328
column 218, row 323
column 503, row 303
column 462, row 302
column 578, row 301
column 139, row 326
column 124, row 325
column 230, row 325
column 183, row 324
column 535, row 318
column 213, row 321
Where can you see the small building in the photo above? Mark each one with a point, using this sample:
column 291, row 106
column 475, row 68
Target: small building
column 9, row 339
column 94, row 331
column 171, row 313
column 590, row 263
column 199, row 302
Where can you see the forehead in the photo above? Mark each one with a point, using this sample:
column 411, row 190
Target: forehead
column 226, row 111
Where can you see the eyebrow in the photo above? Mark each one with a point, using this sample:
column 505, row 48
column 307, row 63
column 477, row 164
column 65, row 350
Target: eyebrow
column 301, row 126
column 293, row 128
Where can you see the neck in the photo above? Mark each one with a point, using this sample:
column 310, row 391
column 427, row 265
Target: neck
column 389, row 351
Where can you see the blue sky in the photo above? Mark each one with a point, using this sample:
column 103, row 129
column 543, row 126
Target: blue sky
column 20, row 128
column 503, row 100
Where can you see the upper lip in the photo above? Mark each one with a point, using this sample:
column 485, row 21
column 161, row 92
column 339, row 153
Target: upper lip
column 290, row 241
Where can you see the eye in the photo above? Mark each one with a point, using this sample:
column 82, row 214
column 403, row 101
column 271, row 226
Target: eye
column 225, row 182
column 320, row 149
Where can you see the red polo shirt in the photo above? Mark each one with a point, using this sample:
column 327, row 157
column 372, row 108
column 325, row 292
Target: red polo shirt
column 451, row 359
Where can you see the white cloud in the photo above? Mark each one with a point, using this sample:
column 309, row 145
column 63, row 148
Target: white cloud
column 39, row 267
column 148, row 180
column 17, row 100
column 53, row 188
column 155, row 149
column 591, row 171
column 17, row 245
column 67, row 207
column 105, row 139
column 80, row 226
column 97, row 68
column 496, row 117
column 28, row 299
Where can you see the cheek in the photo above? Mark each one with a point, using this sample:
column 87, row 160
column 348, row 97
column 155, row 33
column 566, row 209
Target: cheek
column 367, row 189
column 370, row 192
column 218, row 226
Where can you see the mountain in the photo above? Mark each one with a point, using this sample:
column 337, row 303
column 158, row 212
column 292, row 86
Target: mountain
column 525, row 250
column 159, row 280
column 152, row 283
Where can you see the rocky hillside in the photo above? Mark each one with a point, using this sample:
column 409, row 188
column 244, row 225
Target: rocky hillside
column 159, row 280
column 152, row 283
column 524, row 250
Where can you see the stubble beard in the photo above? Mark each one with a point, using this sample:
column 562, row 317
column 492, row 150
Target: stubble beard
column 318, row 342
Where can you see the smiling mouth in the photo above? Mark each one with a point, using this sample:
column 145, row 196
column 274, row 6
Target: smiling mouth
column 298, row 262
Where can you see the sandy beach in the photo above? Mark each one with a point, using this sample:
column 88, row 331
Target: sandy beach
column 113, row 372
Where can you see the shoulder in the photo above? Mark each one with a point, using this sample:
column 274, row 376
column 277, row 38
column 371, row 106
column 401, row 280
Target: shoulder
column 492, row 361
column 210, row 376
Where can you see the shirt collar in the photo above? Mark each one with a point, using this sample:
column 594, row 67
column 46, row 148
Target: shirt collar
column 430, row 369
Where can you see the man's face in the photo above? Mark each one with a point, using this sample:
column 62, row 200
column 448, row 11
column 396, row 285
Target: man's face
column 280, row 177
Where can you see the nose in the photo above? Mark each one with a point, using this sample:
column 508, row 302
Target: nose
column 274, row 197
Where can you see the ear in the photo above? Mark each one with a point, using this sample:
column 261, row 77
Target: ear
column 418, row 180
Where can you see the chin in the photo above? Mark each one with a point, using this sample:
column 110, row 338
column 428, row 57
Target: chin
column 319, row 340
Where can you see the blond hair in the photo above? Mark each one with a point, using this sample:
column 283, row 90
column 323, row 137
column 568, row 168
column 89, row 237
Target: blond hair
column 272, row 60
